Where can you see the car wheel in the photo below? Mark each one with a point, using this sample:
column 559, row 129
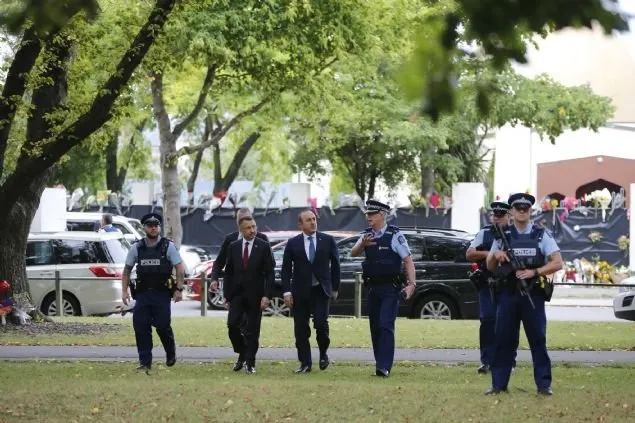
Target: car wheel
column 277, row 307
column 70, row 305
column 436, row 306
column 216, row 300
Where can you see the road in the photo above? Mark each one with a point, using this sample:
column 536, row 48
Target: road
column 562, row 313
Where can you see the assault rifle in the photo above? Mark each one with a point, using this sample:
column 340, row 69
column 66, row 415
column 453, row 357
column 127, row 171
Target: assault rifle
column 514, row 263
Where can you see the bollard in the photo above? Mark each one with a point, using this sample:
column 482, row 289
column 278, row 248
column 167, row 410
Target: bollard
column 204, row 288
column 358, row 294
column 59, row 296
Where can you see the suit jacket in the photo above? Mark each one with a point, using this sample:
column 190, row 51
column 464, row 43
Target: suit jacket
column 256, row 279
column 297, row 267
column 221, row 259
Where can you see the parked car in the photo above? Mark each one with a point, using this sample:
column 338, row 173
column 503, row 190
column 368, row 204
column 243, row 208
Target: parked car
column 83, row 259
column 623, row 304
column 132, row 230
column 443, row 291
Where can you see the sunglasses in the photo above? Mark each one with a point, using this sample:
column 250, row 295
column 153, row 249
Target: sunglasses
column 499, row 214
column 521, row 208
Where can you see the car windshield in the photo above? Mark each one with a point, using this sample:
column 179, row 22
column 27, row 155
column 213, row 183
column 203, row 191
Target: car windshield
column 138, row 227
column 117, row 249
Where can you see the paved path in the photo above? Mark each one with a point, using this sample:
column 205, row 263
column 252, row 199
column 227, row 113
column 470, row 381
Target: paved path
column 198, row 354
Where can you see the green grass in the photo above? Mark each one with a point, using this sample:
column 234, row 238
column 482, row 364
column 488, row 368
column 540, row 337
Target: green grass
column 110, row 392
column 278, row 332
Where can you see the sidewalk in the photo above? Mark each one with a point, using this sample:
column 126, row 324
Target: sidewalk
column 203, row 354
column 573, row 296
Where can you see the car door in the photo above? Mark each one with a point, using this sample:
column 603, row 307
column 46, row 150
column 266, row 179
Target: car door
column 40, row 269
column 349, row 265
column 445, row 259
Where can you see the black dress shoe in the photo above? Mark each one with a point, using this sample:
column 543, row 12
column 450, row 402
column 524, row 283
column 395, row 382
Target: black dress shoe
column 250, row 369
column 495, row 391
column 171, row 360
column 324, row 362
column 545, row 391
column 145, row 368
column 239, row 365
column 484, row 369
column 382, row 372
column 303, row 369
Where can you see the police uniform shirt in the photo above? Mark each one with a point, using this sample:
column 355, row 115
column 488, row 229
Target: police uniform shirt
column 398, row 244
column 547, row 244
column 172, row 253
column 478, row 239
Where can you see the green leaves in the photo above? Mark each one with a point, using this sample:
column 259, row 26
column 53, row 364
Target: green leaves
column 45, row 15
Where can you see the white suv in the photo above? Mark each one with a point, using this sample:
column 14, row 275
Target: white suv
column 624, row 304
column 132, row 230
column 87, row 262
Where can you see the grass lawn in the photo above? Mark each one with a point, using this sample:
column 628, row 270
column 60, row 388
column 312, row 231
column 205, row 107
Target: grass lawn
column 278, row 332
column 111, row 392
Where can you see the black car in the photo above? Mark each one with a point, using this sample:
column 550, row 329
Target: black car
column 443, row 291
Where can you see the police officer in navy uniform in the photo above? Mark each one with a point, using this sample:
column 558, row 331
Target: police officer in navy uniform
column 540, row 256
column 155, row 287
column 386, row 252
column 478, row 252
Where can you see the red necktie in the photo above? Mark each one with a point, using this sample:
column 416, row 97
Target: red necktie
column 246, row 254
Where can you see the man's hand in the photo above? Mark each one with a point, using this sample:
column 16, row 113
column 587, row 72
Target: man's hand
column 334, row 295
column 526, row 274
column 368, row 240
column 409, row 290
column 213, row 286
column 264, row 303
column 226, row 305
column 125, row 297
column 288, row 301
column 501, row 257
column 177, row 296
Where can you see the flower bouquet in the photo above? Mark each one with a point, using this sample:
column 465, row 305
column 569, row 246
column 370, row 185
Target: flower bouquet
column 623, row 243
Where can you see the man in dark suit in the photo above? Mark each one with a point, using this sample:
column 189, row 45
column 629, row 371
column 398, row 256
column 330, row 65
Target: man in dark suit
column 249, row 276
column 221, row 259
column 311, row 260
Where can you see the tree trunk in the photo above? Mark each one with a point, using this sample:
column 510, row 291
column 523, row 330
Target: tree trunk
column 371, row 185
column 427, row 173
column 112, row 176
column 194, row 175
column 15, row 225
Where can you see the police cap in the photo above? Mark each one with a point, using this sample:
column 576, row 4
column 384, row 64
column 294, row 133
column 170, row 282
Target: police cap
column 521, row 199
column 152, row 218
column 499, row 207
column 374, row 206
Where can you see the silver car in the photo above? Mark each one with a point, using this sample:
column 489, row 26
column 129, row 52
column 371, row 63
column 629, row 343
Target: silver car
column 89, row 264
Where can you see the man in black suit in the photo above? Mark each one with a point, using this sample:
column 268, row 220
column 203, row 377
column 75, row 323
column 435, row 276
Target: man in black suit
column 249, row 276
column 311, row 260
column 221, row 259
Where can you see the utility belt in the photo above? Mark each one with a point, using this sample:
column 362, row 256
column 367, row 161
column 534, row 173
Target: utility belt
column 166, row 285
column 396, row 280
column 540, row 286
column 480, row 279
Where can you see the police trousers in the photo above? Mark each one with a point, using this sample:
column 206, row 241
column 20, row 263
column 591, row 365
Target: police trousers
column 511, row 310
column 487, row 337
column 153, row 308
column 383, row 305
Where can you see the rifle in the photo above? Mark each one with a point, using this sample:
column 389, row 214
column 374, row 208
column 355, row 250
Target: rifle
column 515, row 263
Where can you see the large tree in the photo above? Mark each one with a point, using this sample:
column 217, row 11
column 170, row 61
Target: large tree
column 257, row 50
column 60, row 113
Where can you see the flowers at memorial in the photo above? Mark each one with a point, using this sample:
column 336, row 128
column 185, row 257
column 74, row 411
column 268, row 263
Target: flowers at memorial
column 595, row 237
column 623, row 243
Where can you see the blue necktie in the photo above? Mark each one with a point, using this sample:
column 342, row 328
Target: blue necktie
column 311, row 249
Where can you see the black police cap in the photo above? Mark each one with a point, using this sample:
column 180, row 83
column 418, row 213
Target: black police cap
column 374, row 206
column 521, row 199
column 499, row 207
column 152, row 218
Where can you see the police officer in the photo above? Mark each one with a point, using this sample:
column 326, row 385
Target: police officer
column 155, row 287
column 539, row 256
column 478, row 252
column 385, row 250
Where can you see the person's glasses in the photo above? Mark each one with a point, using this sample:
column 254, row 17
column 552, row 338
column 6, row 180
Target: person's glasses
column 152, row 225
column 499, row 215
column 521, row 208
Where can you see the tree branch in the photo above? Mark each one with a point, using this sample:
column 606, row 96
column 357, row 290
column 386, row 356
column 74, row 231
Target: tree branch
column 15, row 86
column 237, row 162
column 100, row 110
column 220, row 132
column 202, row 96
column 158, row 104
